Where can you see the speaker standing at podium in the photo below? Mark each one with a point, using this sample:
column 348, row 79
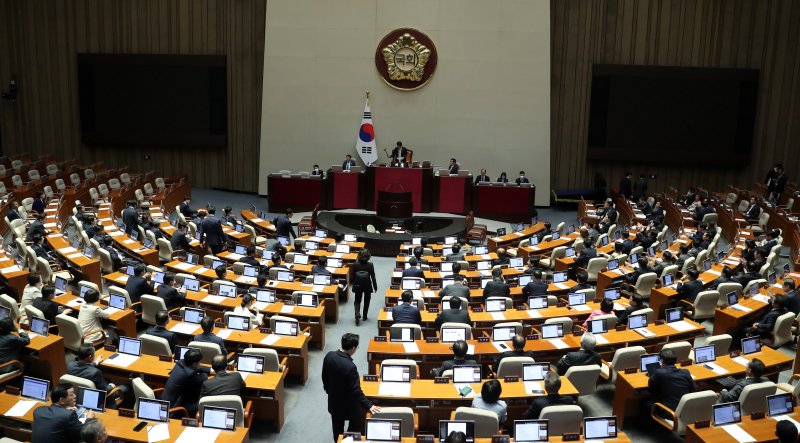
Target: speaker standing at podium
column 399, row 153
column 348, row 162
column 453, row 167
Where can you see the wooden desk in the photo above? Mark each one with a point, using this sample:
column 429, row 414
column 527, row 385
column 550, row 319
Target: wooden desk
column 294, row 348
column 546, row 248
column 118, row 428
column 13, row 275
column 47, row 358
column 124, row 321
column 476, row 295
column 133, row 248
column 629, row 386
column 418, row 181
column 88, row 267
column 513, row 238
column 762, row 430
column 260, row 225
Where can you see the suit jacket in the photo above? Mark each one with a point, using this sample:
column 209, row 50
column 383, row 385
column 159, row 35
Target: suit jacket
column 35, row 229
column 317, row 269
column 340, row 380
column 370, row 269
column 639, row 187
column 92, row 230
column 137, row 286
column 626, row 187
column 413, row 272
column 455, row 257
column 224, row 383
column 496, row 289
column 540, row 403
column 667, row 385
column 211, row 231
column 172, row 298
column 211, row 338
column 752, row 212
column 48, row 307
column 501, row 261
column 283, row 226
column 455, row 290
column 88, row 371
column 448, row 364
column 767, row 322
column 131, row 219
column 402, row 152
column 580, row 357
column 160, row 331
column 482, row 178
column 347, row 164
column 180, row 241
column 13, row 214
column 734, row 392
column 40, row 252
column 793, row 302
column 512, row 353
column 11, row 346
column 184, row 385
column 521, row 180
column 583, row 258
column 535, row 287
column 54, row 423
column 452, row 316
column 454, row 169
column 187, row 211
column 406, row 313
column 689, row 290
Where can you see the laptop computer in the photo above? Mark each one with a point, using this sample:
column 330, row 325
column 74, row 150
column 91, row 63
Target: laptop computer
column 674, row 314
column 613, row 264
column 285, row 276
column 531, row 430
column 130, row 346
column 300, row 259
column 559, row 277
column 191, row 258
column 35, row 388
column 451, row 240
column 40, row 326
column 395, row 373
column 191, row 284
column 524, row 279
column 283, row 240
column 604, row 240
column 599, row 427
column 597, row 326
column 516, row 262
column 335, row 262
column 466, row 373
column 265, row 296
column 668, row 279
column 405, row 335
column 91, row 399
column 322, row 280
column 152, row 410
column 484, row 265
column 751, row 345
column 649, row 363
column 89, row 252
column 83, row 290
column 320, row 233
column 237, row 322
column 217, row 263
column 705, row 354
column 158, row 277
column 637, row 321
column 240, row 250
column 350, row 237
column 180, row 351
column 612, row 294
column 503, row 333
column 452, row 335
column 576, row 298
column 534, row 371
column 495, row 305
column 250, row 271
column 537, row 302
column 555, row 330
column 570, row 252
column 227, row 290
column 383, row 429
column 117, row 301
column 285, row 327
column 311, row 245
column 267, row 254
column 727, row 413
column 480, row 250
column 4, row 312
column 779, row 404
column 253, row 364
column 61, row 284
column 193, row 315
column 217, row 417
column 556, row 235
column 485, row 281
column 308, row 300
column 446, row 427
column 342, row 248
column 411, row 284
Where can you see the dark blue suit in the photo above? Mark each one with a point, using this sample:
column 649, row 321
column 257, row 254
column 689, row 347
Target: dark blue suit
column 211, row 338
column 131, row 219
column 406, row 313
column 413, row 272
column 137, row 286
column 211, row 233
column 667, row 386
column 55, row 424
column 347, row 164
column 180, row 241
column 184, row 385
column 283, row 226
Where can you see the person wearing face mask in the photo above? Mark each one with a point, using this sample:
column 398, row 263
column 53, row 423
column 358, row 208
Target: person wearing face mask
column 521, row 179
column 317, row 171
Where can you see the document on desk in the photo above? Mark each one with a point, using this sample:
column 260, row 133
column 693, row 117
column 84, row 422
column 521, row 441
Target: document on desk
column 10, row 269
column 717, row 369
column 75, row 302
column 389, row 315
column 534, row 313
column 714, row 272
column 159, row 432
column 128, row 242
column 287, row 309
column 644, row 332
column 256, row 220
column 762, row 298
column 270, row 339
column 601, row 339
column 558, row 343
column 738, row 433
column 75, row 255
column 617, row 271
column 198, row 435
column 741, row 360
column 410, row 347
column 224, row 333
column 214, row 299
column 519, row 233
column 486, row 256
column 498, row 315
column 184, row 328
column 561, row 286
column 533, row 387
column 121, row 360
column 21, row 408
column 470, row 349
column 786, row 417
column 680, row 326
column 460, row 386
column 318, row 288
column 394, row 389
column 581, row 308
column 337, row 255
column 183, row 266
column 111, row 311
column 67, row 250
column 739, row 307
column 485, row 273
column 428, row 293
column 501, row 346
column 235, row 256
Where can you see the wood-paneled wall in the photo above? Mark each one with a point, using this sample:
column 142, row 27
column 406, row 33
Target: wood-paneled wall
column 39, row 41
column 762, row 34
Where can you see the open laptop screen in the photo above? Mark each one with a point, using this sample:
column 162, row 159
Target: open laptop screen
column 446, row 427
column 452, row 335
column 193, row 315
column 503, row 333
column 534, row 371
column 219, row 418
column 379, row 429
column 599, row 427
column 152, row 410
column 555, row 330
column 751, row 345
column 40, row 326
column 94, row 399
column 35, row 388
column 727, row 413
column 704, row 354
column 396, row 373
column 779, row 404
column 131, row 346
column 466, row 373
column 530, row 430
column 250, row 363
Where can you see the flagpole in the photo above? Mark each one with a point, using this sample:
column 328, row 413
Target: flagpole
column 367, row 97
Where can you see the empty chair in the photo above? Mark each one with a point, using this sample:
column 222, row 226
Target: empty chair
column 152, row 345
column 75, row 179
column 397, row 327
column 60, row 185
column 754, row 397
column 164, row 250
column 645, row 311
column 150, row 307
column 682, row 349
column 148, row 189
column 693, row 407
column 3, row 190
column 595, row 266
column 563, row 419
column 16, row 180
column 687, row 264
column 48, row 193
column 160, row 184
column 721, row 343
column 512, row 366
column 704, row 306
column 467, row 329
column 114, row 184
column 33, row 174
column 88, row 174
column 623, row 359
column 16, row 164
column 272, row 362
column 584, row 378
column 8, row 302
column 566, row 322
column 645, row 284
column 669, row 270
column 142, row 390
column 413, row 370
column 106, row 264
column 486, row 422
column 125, row 179
column 558, row 252
column 408, row 420
column 244, row 417
column 77, row 381
column 782, row 331
column 761, row 227
column 52, row 169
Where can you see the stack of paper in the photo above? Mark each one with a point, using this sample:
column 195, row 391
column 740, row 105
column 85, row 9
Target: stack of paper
column 410, row 347
column 213, row 299
column 716, row 368
column 394, row 389
column 741, row 360
column 498, row 315
column 198, row 435
column 532, row 387
column 121, row 360
column 184, row 328
column 558, row 343
column 680, row 326
column 287, row 309
column 158, row 432
column 21, row 408
column 738, row 433
column 561, row 286
column 534, row 313
column 270, row 339
column 183, row 266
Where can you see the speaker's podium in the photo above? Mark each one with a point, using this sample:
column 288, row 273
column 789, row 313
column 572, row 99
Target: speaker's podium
column 394, row 204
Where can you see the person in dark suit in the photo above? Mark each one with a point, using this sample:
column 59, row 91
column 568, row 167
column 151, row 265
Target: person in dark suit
column 763, row 328
column 588, row 253
column 180, row 241
column 58, row 422
column 536, row 287
column 753, row 374
column 453, row 167
column 49, row 308
column 771, row 240
column 586, row 355
column 502, row 257
column 643, row 267
column 13, row 211
column 552, row 384
column 776, row 183
column 185, row 382
column 413, row 269
column 726, row 276
column 38, row 203
column 137, row 285
column 405, row 312
column 688, row 290
column 317, row 171
column 107, row 244
column 208, row 336
column 348, row 162
column 789, row 293
column 503, row 178
column 186, row 209
column 483, row 178
column 453, row 315
column 640, row 187
column 11, row 345
column 160, row 329
column 668, row 384
column 321, row 266
column 750, row 273
column 457, row 254
column 456, row 289
column 518, row 345
column 91, row 227
column 346, row 400
column 227, row 216
column 627, row 243
column 167, row 291
column 533, row 265
column 211, row 233
column 130, row 217
column 399, row 152
column 521, row 179
column 86, row 367
column 250, row 257
column 497, row 287
column 36, row 228
column 283, row 224
column 223, row 382
column 362, row 276
column 702, row 210
column 460, row 349
column 626, row 185
column 753, row 211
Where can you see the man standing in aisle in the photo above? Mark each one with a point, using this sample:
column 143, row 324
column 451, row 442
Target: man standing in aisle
column 346, row 400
